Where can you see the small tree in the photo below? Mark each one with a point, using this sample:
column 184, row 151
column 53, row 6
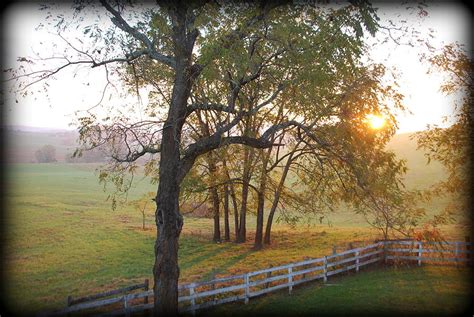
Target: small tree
column 46, row 154
column 384, row 201
column 394, row 213
column 142, row 203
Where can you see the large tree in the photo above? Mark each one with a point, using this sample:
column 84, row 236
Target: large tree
column 248, row 55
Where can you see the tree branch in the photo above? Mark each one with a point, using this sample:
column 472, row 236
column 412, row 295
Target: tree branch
column 209, row 106
column 119, row 21
column 133, row 156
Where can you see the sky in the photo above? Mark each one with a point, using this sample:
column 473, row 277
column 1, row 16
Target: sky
column 80, row 90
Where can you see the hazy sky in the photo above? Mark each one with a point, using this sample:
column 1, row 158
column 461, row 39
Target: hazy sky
column 451, row 23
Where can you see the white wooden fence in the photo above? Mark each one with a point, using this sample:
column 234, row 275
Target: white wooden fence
column 199, row 295
column 429, row 252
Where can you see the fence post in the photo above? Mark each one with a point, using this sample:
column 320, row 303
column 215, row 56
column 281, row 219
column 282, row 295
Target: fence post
column 69, row 300
column 247, row 288
column 325, row 269
column 468, row 248
column 385, row 260
column 147, row 285
column 305, row 267
column 269, row 274
column 350, row 246
column 125, row 306
column 213, row 286
column 420, row 251
column 456, row 252
column 357, row 261
column 290, row 279
column 193, row 299
column 69, row 303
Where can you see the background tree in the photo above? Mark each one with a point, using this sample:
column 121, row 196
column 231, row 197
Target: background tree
column 46, row 154
column 452, row 146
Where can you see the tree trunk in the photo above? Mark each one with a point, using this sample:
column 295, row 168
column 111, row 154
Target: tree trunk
column 268, row 227
column 234, row 200
column 259, row 228
column 169, row 221
column 261, row 200
column 276, row 199
column 242, row 234
column 236, row 211
column 214, row 194
column 215, row 207
column 246, row 176
column 226, row 214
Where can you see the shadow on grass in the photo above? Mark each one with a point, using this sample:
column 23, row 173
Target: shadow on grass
column 226, row 265
column 194, row 254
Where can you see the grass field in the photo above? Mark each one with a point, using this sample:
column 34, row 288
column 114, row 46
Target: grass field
column 425, row 291
column 64, row 239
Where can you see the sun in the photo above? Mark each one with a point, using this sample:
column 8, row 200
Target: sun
column 376, row 121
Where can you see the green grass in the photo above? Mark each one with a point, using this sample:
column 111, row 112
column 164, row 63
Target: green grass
column 384, row 291
column 63, row 239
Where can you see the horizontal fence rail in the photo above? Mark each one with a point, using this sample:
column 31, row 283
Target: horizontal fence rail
column 429, row 252
column 200, row 295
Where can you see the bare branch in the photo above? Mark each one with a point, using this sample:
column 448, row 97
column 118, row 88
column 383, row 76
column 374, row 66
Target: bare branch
column 41, row 75
column 119, row 21
column 132, row 156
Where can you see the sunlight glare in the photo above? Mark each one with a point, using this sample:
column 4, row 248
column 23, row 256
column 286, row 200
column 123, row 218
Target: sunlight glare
column 375, row 121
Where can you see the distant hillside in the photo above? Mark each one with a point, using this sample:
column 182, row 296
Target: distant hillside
column 420, row 174
column 22, row 142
